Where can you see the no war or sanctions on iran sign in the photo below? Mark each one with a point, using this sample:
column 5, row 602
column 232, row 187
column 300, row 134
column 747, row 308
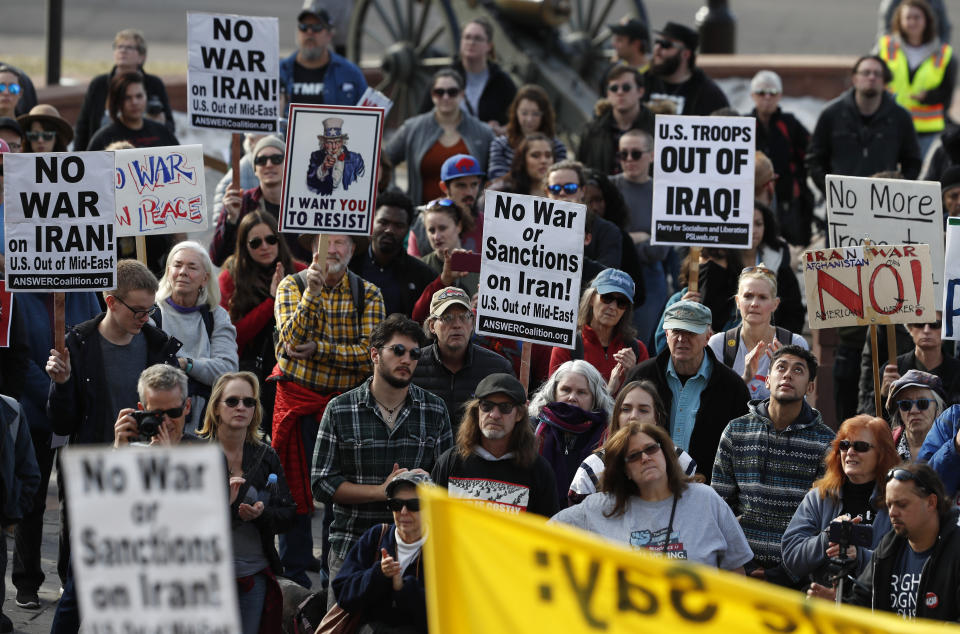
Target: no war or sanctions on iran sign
column 531, row 262
column 160, row 190
column 233, row 72
column 59, row 221
column 333, row 158
column 858, row 286
column 703, row 181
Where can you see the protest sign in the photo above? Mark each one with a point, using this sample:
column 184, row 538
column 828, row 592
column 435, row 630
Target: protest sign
column 59, row 221
column 150, row 539
column 703, row 181
column 233, row 72
column 860, row 286
column 333, row 159
column 530, row 268
column 6, row 315
column 373, row 98
column 160, row 190
column 951, row 280
column 887, row 211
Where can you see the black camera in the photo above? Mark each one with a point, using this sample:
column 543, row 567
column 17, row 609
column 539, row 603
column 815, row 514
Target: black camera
column 148, row 422
column 846, row 533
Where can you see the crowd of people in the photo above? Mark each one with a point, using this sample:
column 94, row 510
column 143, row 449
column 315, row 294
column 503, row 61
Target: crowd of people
column 677, row 423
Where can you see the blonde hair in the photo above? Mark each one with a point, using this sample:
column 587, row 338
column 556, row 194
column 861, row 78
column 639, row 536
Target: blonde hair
column 759, row 272
column 211, row 421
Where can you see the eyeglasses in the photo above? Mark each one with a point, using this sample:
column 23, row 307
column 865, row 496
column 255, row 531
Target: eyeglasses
column 907, row 404
column 139, row 314
column 662, row 43
column 313, row 28
column 608, row 298
column 398, row 349
column 255, row 243
column 902, row 475
column 463, row 318
column 766, row 93
column 505, row 407
column 650, row 450
column 937, row 325
column 450, row 92
column 568, row 188
column 870, row 73
column 45, row 135
column 615, row 88
column 233, row 401
column 175, row 412
column 396, row 504
column 860, row 446
column 13, row 89
column 276, row 159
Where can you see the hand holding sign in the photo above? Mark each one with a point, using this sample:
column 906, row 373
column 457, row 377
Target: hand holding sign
column 231, row 204
column 58, row 366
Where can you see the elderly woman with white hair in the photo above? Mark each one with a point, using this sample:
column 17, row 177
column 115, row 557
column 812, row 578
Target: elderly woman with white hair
column 189, row 300
column 571, row 410
column 915, row 401
column 784, row 140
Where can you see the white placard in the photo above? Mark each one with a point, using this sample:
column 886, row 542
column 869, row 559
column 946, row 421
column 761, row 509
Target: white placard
column 233, row 72
column 887, row 211
column 150, row 541
column 703, row 181
column 951, row 281
column 161, row 190
column 373, row 98
column 59, row 221
column 530, row 268
column 333, row 159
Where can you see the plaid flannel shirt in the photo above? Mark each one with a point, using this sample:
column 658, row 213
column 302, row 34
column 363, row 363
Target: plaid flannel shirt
column 342, row 359
column 354, row 444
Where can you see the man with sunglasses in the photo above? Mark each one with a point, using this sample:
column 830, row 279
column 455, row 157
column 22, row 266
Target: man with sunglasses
column 625, row 111
column 602, row 241
column 452, row 366
column 372, row 433
column 495, row 463
column 768, row 459
column 162, row 390
column 674, row 75
column 314, row 73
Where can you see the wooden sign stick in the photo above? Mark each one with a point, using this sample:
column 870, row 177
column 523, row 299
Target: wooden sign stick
column 141, row 242
column 891, row 345
column 693, row 275
column 876, row 369
column 59, row 322
column 525, row 366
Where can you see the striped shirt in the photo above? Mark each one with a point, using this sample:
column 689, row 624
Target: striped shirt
column 354, row 444
column 763, row 474
column 342, row 359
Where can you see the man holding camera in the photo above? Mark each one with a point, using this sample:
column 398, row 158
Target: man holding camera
column 161, row 413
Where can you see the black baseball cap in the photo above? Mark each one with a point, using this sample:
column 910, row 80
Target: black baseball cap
column 681, row 33
column 9, row 123
column 633, row 28
column 502, row 383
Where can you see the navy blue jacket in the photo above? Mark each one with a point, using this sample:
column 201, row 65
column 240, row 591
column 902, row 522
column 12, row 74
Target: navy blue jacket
column 939, row 449
column 342, row 85
column 19, row 473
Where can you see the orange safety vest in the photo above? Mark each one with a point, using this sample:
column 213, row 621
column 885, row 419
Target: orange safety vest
column 927, row 118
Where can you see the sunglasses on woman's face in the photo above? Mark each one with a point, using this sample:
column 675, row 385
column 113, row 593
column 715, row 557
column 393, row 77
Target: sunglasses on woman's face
column 396, row 504
column 907, row 404
column 608, row 298
column 13, row 89
column 233, row 401
column 567, row 188
column 449, row 92
column 45, row 135
column 276, row 159
column 256, row 242
column 860, row 446
column 650, row 450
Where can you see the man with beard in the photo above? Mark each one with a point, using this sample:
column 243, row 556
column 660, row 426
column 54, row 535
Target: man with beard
column 374, row 432
column 314, row 73
column 769, row 458
column 461, row 179
column 399, row 276
column 325, row 316
column 674, row 76
column 864, row 131
column 333, row 166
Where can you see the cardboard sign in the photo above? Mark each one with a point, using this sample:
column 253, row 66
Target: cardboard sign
column 59, row 221
column 530, row 268
column 859, row 286
column 703, row 181
column 951, row 281
column 333, row 159
column 233, row 72
column 887, row 211
column 6, row 315
column 160, row 190
column 150, row 539
column 373, row 98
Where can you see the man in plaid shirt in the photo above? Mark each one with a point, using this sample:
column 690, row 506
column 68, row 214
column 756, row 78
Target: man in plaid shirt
column 370, row 434
column 324, row 320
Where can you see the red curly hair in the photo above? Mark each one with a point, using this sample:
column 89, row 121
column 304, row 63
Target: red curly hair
column 832, row 481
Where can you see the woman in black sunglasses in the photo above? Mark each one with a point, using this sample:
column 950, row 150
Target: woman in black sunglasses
column 45, row 130
column 851, row 487
column 260, row 501
column 915, row 401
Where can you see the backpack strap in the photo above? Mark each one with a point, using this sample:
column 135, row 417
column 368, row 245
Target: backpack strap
column 205, row 313
column 730, row 351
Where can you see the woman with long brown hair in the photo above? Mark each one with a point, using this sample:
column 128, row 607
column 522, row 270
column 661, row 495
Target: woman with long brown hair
column 530, row 113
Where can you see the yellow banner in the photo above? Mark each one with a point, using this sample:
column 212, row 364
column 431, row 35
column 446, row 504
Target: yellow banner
column 498, row 573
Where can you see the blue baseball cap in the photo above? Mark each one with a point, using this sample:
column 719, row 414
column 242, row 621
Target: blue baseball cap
column 460, row 165
column 613, row 281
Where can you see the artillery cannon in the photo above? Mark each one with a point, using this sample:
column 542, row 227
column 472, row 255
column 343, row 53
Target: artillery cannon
column 559, row 44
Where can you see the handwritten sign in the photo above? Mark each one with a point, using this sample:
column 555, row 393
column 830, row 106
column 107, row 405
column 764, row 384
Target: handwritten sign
column 887, row 211
column 530, row 268
column 150, row 539
column 857, row 286
column 160, row 190
column 59, row 221
column 330, row 182
column 233, row 72
column 703, row 181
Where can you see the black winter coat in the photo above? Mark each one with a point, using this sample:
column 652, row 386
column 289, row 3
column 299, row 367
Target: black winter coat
column 598, row 145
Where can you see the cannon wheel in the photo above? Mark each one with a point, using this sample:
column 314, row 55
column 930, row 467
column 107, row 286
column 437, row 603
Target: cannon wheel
column 587, row 34
column 406, row 41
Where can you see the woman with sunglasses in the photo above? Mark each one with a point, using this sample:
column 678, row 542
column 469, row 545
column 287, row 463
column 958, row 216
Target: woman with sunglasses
column 260, row 502
column 45, row 130
column 915, row 401
column 127, row 103
column 424, row 142
column 747, row 349
column 10, row 91
column 647, row 501
column 382, row 578
column 530, row 113
column 851, row 489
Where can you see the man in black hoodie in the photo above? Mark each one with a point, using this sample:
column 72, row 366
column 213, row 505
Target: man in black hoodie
column 674, row 76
